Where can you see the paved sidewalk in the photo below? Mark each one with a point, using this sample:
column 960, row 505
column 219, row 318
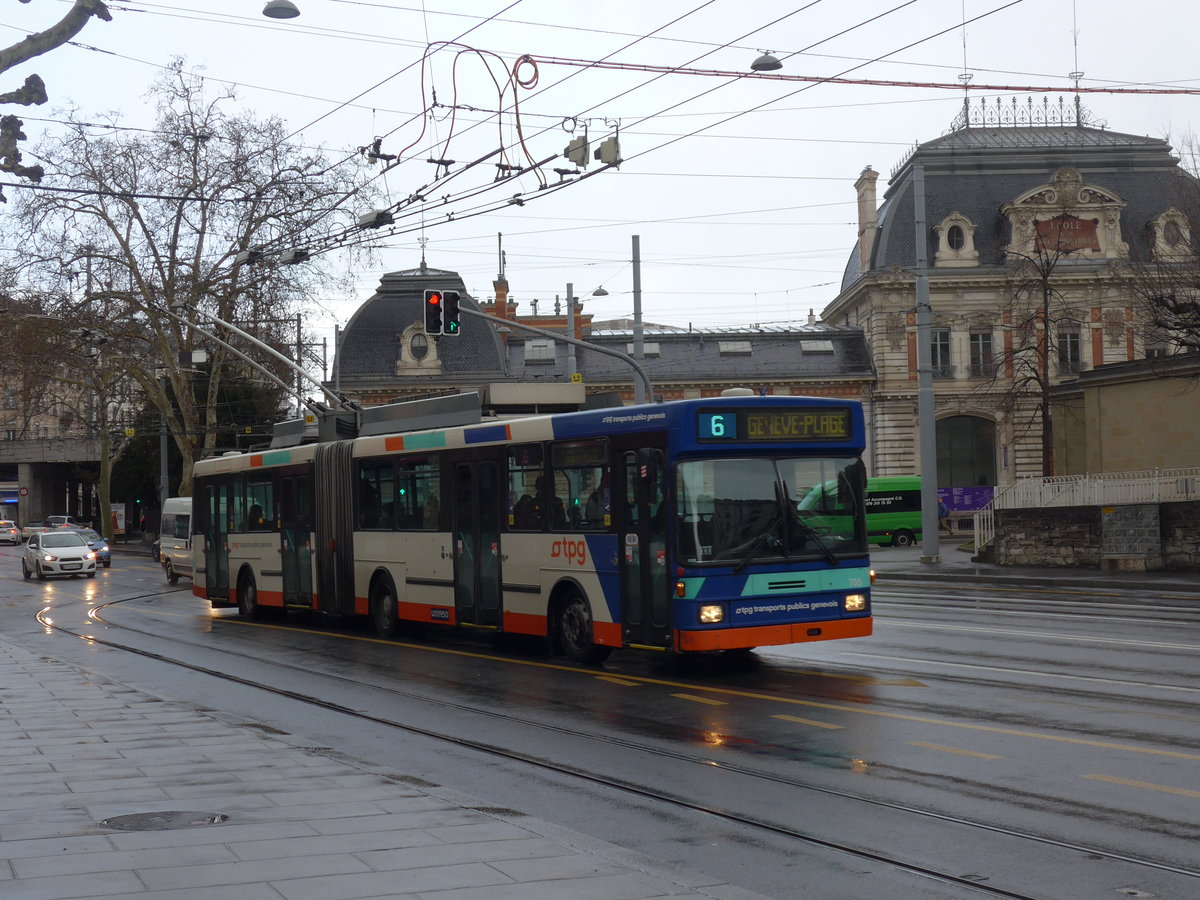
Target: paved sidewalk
column 223, row 810
column 956, row 564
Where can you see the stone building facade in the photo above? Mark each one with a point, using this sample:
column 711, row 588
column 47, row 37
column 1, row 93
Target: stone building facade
column 1033, row 223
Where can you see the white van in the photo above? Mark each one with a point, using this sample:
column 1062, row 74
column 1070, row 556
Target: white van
column 175, row 538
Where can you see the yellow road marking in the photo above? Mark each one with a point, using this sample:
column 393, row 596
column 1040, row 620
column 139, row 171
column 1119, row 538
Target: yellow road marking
column 748, row 695
column 709, row 700
column 613, row 679
column 808, row 722
column 957, row 750
column 1166, row 789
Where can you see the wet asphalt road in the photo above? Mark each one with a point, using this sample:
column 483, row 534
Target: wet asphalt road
column 980, row 729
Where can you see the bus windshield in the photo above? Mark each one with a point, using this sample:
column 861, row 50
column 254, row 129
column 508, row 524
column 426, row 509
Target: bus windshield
column 739, row 511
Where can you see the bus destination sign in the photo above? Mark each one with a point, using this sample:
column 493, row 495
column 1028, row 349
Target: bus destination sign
column 779, row 425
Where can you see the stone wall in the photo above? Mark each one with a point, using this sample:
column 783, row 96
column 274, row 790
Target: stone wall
column 1056, row 536
column 1134, row 537
column 1180, row 525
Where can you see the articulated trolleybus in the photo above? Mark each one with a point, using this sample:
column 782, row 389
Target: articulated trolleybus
column 675, row 526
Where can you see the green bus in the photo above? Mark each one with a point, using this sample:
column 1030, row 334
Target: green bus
column 893, row 508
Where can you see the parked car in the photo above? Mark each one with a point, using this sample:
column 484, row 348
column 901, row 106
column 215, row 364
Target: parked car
column 57, row 553
column 9, row 532
column 175, row 538
column 99, row 545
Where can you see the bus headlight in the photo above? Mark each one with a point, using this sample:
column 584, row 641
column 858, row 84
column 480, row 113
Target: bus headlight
column 855, row 602
column 712, row 614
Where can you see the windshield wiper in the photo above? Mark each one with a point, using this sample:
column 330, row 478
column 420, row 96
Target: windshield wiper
column 806, row 529
column 758, row 540
column 815, row 536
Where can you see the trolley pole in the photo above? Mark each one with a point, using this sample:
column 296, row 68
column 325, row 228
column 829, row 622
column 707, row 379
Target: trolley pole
column 642, row 381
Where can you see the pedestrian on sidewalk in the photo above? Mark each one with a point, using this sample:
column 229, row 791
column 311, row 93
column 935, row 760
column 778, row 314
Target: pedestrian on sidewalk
column 944, row 517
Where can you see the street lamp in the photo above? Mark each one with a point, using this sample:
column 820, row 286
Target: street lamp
column 765, row 63
column 280, row 9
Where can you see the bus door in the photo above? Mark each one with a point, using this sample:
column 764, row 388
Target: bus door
column 216, row 538
column 295, row 538
column 645, row 581
column 476, row 531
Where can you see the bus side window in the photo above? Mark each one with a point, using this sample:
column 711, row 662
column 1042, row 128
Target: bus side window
column 524, row 470
column 420, row 493
column 581, row 482
column 376, row 487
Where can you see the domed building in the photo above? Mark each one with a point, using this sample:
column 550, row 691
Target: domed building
column 385, row 354
column 1034, row 228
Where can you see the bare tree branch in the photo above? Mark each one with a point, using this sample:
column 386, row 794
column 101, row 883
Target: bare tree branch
column 56, row 35
column 33, row 92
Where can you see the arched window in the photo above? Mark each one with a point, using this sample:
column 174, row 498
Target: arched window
column 418, row 346
column 956, row 242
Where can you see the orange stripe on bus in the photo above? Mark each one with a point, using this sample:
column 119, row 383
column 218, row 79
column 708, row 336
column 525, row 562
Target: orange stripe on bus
column 393, row 443
column 772, row 635
column 607, row 633
column 420, row 612
column 524, row 623
column 256, row 460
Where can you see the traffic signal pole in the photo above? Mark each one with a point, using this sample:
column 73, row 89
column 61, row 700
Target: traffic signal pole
column 643, row 380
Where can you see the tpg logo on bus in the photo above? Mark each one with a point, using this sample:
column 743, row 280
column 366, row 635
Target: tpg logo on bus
column 574, row 551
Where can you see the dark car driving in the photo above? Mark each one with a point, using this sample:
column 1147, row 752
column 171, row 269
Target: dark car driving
column 99, row 545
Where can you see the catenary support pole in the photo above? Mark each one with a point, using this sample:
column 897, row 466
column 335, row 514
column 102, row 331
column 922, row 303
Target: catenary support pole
column 926, row 411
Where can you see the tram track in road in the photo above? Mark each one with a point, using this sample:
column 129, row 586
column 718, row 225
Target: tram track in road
column 651, row 794
column 1157, row 607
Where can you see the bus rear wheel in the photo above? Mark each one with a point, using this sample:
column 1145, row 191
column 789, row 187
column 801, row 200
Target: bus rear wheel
column 384, row 612
column 903, row 538
column 575, row 631
column 247, row 598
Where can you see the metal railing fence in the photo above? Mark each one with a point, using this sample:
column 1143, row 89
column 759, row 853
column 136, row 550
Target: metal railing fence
column 1101, row 489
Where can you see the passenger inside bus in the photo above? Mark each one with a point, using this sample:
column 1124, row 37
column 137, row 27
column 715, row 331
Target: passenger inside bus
column 431, row 512
column 598, row 503
column 531, row 512
column 254, row 519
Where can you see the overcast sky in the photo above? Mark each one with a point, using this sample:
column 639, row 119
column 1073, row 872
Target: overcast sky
column 741, row 189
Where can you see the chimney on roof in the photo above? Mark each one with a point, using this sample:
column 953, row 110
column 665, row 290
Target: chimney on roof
column 868, row 216
column 812, row 319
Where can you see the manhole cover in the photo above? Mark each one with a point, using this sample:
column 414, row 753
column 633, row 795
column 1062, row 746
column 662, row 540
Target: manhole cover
column 163, row 821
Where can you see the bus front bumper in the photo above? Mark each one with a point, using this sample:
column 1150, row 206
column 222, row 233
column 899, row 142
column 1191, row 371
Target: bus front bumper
column 773, row 635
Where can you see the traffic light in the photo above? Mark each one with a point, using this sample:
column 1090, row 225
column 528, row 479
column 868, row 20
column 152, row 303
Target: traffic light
column 433, row 312
column 577, row 151
column 450, row 318
column 609, row 152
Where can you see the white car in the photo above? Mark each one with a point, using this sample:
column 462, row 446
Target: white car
column 9, row 532
column 58, row 553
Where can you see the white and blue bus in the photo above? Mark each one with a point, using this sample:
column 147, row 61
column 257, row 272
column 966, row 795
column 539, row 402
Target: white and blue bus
column 672, row 526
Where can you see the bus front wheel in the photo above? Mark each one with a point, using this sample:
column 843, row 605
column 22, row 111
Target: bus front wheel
column 384, row 613
column 575, row 631
column 903, row 538
column 247, row 597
